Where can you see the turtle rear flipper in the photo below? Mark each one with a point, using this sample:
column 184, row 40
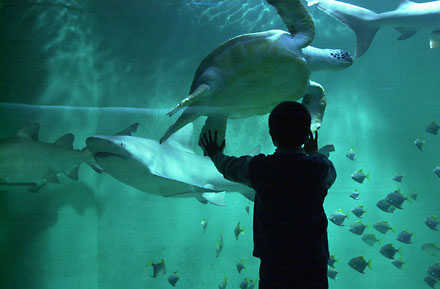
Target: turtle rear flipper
column 315, row 101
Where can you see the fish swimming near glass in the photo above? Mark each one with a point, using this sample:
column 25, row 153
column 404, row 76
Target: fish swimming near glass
column 26, row 163
column 158, row 268
column 359, row 176
column 431, row 281
column 385, row 206
column 434, row 271
column 359, row 264
column 431, row 249
column 396, row 199
column 332, row 273
column 383, row 227
column 223, row 284
column 409, row 18
column 238, row 230
column 388, row 251
column 170, row 169
column 351, row 154
column 370, row 239
column 173, row 278
column 398, row 263
column 419, row 143
column 240, row 266
column 432, row 222
column 433, row 128
column 338, row 217
column 357, row 228
column 358, row 211
column 219, row 245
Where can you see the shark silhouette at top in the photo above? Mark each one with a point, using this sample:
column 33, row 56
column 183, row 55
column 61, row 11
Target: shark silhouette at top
column 171, row 169
column 409, row 18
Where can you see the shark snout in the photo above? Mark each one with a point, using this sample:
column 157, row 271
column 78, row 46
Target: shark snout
column 102, row 147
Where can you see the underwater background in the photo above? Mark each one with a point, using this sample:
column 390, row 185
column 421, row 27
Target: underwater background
column 96, row 67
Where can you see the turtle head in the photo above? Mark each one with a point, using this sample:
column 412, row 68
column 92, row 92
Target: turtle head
column 327, row 59
column 339, row 59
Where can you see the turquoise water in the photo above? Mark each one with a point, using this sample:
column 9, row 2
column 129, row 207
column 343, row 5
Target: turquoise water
column 69, row 65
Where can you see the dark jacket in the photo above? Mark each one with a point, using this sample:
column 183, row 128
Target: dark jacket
column 289, row 219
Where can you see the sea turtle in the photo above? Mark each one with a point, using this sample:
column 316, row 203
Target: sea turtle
column 250, row 74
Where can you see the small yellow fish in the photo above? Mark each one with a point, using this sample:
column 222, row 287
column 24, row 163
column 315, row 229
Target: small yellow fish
column 238, row 230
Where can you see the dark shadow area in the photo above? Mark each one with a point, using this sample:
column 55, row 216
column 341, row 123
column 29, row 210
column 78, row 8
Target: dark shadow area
column 25, row 219
column 23, row 70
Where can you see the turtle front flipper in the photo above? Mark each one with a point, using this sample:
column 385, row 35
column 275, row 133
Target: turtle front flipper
column 315, row 101
column 193, row 97
column 215, row 123
column 297, row 20
column 190, row 114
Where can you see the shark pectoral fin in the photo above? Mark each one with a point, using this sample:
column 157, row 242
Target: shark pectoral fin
column 66, row 141
column 52, row 178
column 30, row 131
column 73, row 173
column 217, row 199
column 405, row 33
column 201, row 199
column 95, row 167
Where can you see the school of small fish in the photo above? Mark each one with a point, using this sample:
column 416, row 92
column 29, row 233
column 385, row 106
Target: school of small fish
column 390, row 203
column 246, row 283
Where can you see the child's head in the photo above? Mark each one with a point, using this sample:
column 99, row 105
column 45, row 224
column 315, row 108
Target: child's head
column 289, row 124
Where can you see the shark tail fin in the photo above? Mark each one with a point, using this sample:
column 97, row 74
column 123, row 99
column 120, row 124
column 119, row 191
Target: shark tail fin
column 360, row 20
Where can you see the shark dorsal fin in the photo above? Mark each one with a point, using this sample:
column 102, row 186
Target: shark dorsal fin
column 29, row 131
column 182, row 137
column 66, row 141
column 404, row 4
column 129, row 130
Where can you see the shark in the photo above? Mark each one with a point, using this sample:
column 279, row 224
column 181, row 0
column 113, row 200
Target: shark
column 26, row 164
column 409, row 18
column 170, row 169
